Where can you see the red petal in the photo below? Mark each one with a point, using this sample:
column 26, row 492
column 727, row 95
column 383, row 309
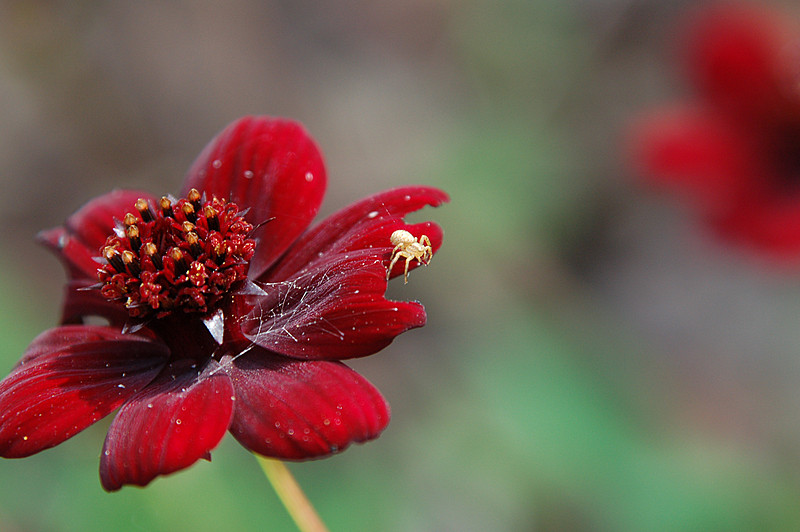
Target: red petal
column 297, row 410
column 270, row 166
column 769, row 227
column 737, row 57
column 696, row 154
column 366, row 224
column 82, row 302
column 69, row 378
column 334, row 312
column 85, row 232
column 168, row 426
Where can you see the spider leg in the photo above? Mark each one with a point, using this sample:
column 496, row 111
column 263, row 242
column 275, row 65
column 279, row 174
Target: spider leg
column 395, row 257
column 427, row 253
column 408, row 260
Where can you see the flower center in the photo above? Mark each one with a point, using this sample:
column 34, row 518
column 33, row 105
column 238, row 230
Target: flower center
column 184, row 255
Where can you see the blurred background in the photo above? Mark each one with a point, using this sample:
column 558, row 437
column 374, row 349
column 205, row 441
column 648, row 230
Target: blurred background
column 593, row 361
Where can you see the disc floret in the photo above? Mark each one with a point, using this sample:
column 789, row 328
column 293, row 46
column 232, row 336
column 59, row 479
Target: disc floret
column 183, row 254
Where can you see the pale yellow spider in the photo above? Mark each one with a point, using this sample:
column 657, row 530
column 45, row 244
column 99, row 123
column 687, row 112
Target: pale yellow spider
column 408, row 246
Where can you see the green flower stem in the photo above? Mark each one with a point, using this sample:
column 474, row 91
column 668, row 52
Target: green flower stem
column 291, row 495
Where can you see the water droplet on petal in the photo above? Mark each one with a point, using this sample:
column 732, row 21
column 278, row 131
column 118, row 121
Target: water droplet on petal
column 248, row 174
column 309, row 177
column 217, row 163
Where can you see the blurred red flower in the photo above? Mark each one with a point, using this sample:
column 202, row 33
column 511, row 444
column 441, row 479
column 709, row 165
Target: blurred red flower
column 224, row 313
column 735, row 151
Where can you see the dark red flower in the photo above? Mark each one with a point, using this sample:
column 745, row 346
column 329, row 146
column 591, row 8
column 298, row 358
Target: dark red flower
column 735, row 151
column 224, row 313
